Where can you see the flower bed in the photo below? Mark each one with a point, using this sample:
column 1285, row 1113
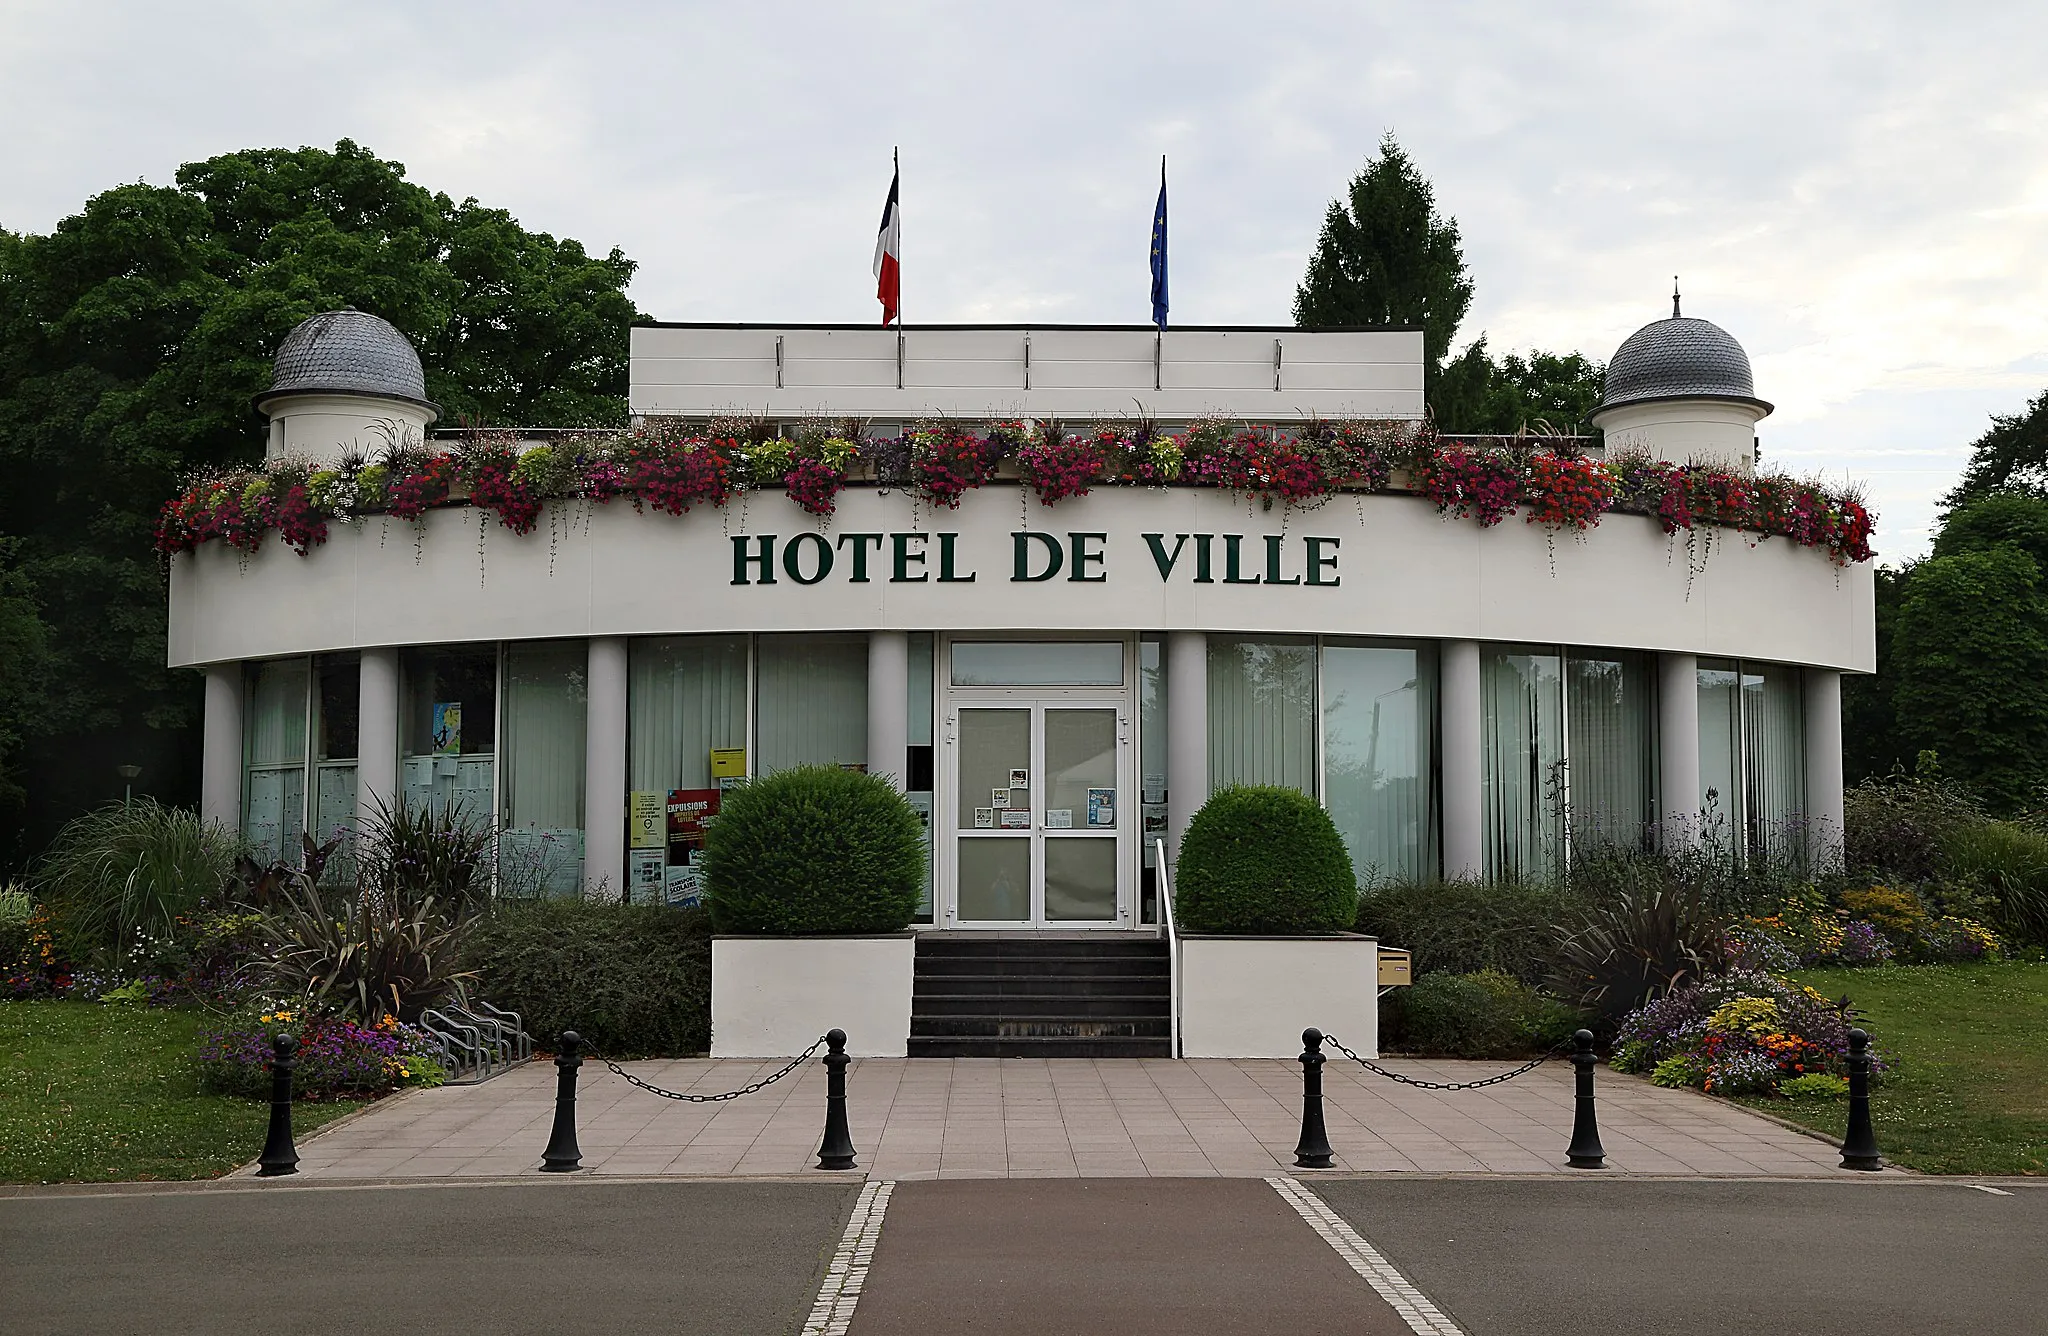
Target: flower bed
column 672, row 468
column 337, row 1058
column 1744, row 1032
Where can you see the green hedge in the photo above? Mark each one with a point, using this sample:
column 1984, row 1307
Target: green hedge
column 1485, row 1014
column 814, row 849
column 1264, row 859
column 1462, row 927
column 633, row 979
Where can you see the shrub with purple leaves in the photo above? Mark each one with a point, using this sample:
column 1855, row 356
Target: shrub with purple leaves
column 337, row 1058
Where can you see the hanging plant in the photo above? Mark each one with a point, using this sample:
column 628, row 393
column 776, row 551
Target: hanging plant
column 1483, row 485
column 1567, row 491
column 1057, row 466
column 945, row 463
column 814, row 485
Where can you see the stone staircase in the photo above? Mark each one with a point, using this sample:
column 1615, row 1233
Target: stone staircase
column 1048, row 995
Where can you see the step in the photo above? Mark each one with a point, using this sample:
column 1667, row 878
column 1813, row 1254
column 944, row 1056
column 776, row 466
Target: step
column 1027, row 1046
column 1004, row 1004
column 1041, row 985
column 1040, row 966
column 966, row 944
column 1050, row 1027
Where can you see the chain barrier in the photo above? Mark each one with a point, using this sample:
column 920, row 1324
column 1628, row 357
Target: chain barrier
column 688, row 1098
column 1452, row 1086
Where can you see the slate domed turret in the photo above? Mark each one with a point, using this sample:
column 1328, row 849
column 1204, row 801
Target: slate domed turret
column 344, row 380
column 1681, row 389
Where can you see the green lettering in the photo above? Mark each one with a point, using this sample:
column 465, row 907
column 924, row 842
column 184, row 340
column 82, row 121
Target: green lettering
column 1273, row 562
column 764, row 558
column 1160, row 556
column 1202, row 576
column 792, row 565
column 1083, row 557
column 946, row 556
column 900, row 543
column 860, row 553
column 1020, row 548
column 1317, row 561
column 1231, row 558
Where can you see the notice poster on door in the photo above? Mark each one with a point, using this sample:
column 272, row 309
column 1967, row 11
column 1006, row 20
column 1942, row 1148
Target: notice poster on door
column 1016, row 818
column 1059, row 818
column 999, row 798
column 1020, row 779
column 689, row 811
column 984, row 818
column 1101, row 808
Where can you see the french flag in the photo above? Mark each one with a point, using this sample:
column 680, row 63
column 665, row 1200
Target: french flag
column 888, row 243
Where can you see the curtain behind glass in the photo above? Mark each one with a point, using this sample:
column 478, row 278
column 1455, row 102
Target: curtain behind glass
column 1722, row 811
column 1611, row 705
column 811, row 701
column 545, row 706
column 686, row 696
column 1262, row 713
column 274, row 753
column 1379, row 717
column 1522, row 733
column 1774, row 731
column 453, row 769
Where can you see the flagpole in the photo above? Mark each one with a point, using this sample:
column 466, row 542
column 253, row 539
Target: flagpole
column 896, row 172
column 1159, row 331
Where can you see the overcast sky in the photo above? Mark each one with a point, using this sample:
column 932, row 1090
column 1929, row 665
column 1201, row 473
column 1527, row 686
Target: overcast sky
column 1858, row 192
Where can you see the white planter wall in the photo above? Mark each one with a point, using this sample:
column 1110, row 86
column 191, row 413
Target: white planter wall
column 772, row 996
column 1251, row 997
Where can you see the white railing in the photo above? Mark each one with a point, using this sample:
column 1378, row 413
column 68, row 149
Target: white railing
column 1172, row 948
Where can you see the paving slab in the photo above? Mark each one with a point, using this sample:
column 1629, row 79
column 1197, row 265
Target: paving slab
column 994, row 1118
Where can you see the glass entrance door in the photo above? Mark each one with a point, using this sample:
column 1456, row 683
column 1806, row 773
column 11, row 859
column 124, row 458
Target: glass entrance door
column 1040, row 836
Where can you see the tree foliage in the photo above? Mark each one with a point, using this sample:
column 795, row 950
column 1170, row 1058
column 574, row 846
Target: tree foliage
column 133, row 338
column 1970, row 650
column 1542, row 394
column 2012, row 454
column 1387, row 257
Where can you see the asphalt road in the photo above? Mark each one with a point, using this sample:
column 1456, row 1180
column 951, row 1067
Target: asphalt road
column 1832, row 1258
column 1501, row 1257
column 549, row 1257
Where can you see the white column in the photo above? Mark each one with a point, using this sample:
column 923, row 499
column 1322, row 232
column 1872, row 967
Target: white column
column 604, row 770
column 1187, row 731
column 220, row 763
column 888, row 703
column 1823, row 769
column 1678, row 747
column 376, row 734
column 1463, row 766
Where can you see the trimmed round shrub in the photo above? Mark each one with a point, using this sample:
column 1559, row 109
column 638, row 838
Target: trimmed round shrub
column 1262, row 859
column 814, row 849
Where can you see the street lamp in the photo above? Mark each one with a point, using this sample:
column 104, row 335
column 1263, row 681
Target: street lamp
column 128, row 774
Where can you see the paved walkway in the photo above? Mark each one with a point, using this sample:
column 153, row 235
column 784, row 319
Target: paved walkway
column 1030, row 1118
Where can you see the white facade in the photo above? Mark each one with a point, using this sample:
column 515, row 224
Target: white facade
column 1451, row 692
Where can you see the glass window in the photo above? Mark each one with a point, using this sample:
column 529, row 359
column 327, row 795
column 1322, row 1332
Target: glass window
column 1522, row 735
column 1262, row 712
column 336, row 700
column 1774, row 760
column 1721, row 813
column 1379, row 722
column 274, row 760
column 811, row 701
column 1038, row 663
column 686, row 696
column 917, row 761
column 448, row 728
column 1611, row 707
column 540, row 851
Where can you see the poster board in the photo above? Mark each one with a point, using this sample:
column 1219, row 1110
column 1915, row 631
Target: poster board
column 689, row 811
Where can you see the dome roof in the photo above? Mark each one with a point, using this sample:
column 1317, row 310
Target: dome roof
column 1679, row 358
column 348, row 352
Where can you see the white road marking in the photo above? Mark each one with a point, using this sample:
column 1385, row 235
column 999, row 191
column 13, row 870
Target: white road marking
column 1422, row 1316
column 1986, row 1187
column 849, row 1270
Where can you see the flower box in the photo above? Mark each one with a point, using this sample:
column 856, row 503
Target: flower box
column 1251, row 997
column 772, row 996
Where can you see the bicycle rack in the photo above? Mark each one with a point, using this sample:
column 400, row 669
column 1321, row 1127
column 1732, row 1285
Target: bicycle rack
column 476, row 1040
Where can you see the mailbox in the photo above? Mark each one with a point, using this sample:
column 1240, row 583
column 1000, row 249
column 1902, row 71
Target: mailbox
column 1395, row 970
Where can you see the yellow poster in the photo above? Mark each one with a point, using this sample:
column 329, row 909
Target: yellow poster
column 728, row 762
column 647, row 819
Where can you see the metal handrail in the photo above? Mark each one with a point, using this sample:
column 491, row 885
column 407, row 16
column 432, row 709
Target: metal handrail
column 1172, row 947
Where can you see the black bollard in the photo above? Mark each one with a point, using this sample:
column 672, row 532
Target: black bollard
column 280, row 1156
column 1313, row 1150
column 563, row 1155
column 1859, row 1147
column 1585, row 1152
column 837, row 1150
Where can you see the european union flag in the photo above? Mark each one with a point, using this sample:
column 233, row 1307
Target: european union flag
column 1159, row 252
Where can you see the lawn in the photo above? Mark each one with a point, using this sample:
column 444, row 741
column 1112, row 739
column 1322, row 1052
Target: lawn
column 1968, row 1089
column 91, row 1092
